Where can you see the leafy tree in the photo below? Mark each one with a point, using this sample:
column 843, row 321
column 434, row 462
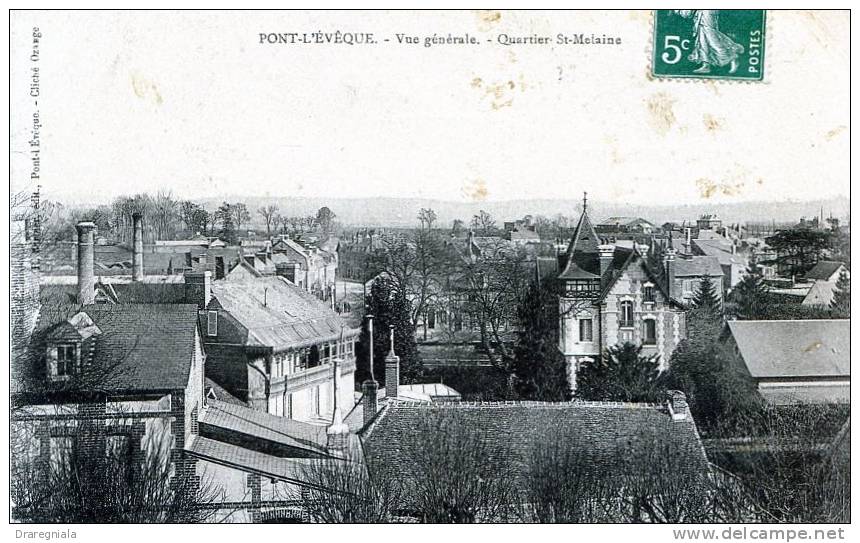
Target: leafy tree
column 388, row 308
column 225, row 215
column 622, row 374
column 798, row 249
column 325, row 218
column 841, row 302
column 540, row 369
column 750, row 296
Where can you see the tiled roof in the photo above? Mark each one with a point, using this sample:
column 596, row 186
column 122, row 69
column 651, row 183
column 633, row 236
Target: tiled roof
column 607, row 433
column 279, row 314
column 258, row 425
column 794, row 348
column 698, row 266
column 149, row 346
column 824, row 270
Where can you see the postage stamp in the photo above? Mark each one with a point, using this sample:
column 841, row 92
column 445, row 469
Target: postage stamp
column 709, row 43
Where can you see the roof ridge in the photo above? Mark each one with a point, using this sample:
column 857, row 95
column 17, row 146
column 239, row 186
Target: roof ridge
column 525, row 403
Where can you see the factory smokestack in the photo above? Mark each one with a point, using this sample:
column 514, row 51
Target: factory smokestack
column 86, row 279
column 137, row 248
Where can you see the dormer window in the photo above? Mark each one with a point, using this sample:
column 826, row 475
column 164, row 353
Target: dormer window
column 64, row 363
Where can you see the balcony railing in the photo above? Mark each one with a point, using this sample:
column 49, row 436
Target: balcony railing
column 316, row 374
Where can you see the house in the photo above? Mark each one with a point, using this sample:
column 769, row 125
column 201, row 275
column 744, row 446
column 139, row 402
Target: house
column 793, row 361
column 733, row 263
column 308, row 266
column 123, row 371
column 625, row 225
column 273, row 344
column 691, row 270
column 826, row 270
column 709, row 221
column 614, row 295
column 820, row 294
column 509, row 439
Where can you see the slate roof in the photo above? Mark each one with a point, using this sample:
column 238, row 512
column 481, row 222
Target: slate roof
column 583, row 257
column 721, row 249
column 794, row 348
column 608, row 433
column 278, row 314
column 821, row 293
column 257, row 425
column 698, row 266
column 824, row 270
column 169, row 291
column 149, row 346
column 245, row 459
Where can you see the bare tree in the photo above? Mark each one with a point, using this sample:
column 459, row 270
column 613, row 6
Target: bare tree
column 270, row 215
column 457, row 476
column 240, row 215
column 99, row 477
column 483, row 223
column 338, row 490
column 427, row 217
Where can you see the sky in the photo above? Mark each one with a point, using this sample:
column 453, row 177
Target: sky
column 194, row 104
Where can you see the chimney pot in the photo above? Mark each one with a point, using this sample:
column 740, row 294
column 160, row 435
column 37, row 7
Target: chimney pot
column 677, row 405
column 86, row 260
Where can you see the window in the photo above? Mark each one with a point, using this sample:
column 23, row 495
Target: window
column 688, row 287
column 649, row 332
column 289, row 407
column 626, row 314
column 212, row 323
column 317, row 410
column 648, row 293
column 67, row 355
column 61, row 451
column 585, row 332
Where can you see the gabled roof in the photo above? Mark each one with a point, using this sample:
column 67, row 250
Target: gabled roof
column 511, row 432
column 794, row 348
column 821, row 293
column 147, row 347
column 824, row 270
column 278, row 314
column 583, row 256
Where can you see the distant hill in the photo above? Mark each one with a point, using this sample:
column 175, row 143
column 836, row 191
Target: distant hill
column 400, row 212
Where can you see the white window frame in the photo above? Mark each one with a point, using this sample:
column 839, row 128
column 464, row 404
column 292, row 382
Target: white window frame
column 645, row 328
column 590, row 325
column 622, row 322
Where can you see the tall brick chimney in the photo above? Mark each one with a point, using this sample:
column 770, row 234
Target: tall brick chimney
column 198, row 288
column 86, row 260
column 369, row 402
column 392, row 370
column 137, row 247
column 669, row 267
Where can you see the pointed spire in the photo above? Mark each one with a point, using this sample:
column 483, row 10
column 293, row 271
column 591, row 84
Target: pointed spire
column 584, row 201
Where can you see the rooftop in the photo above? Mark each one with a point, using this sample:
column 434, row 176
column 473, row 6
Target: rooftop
column 794, row 348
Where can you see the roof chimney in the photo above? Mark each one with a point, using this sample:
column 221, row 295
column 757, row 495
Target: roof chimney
column 198, row 288
column 392, row 370
column 606, row 254
column 677, row 405
column 337, row 433
column 86, row 279
column 469, row 244
column 137, row 247
column 669, row 266
column 369, row 401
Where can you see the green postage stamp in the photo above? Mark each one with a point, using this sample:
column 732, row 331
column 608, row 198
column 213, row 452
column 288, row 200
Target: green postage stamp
column 709, row 43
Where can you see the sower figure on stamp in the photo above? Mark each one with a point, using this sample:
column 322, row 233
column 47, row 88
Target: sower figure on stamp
column 711, row 47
